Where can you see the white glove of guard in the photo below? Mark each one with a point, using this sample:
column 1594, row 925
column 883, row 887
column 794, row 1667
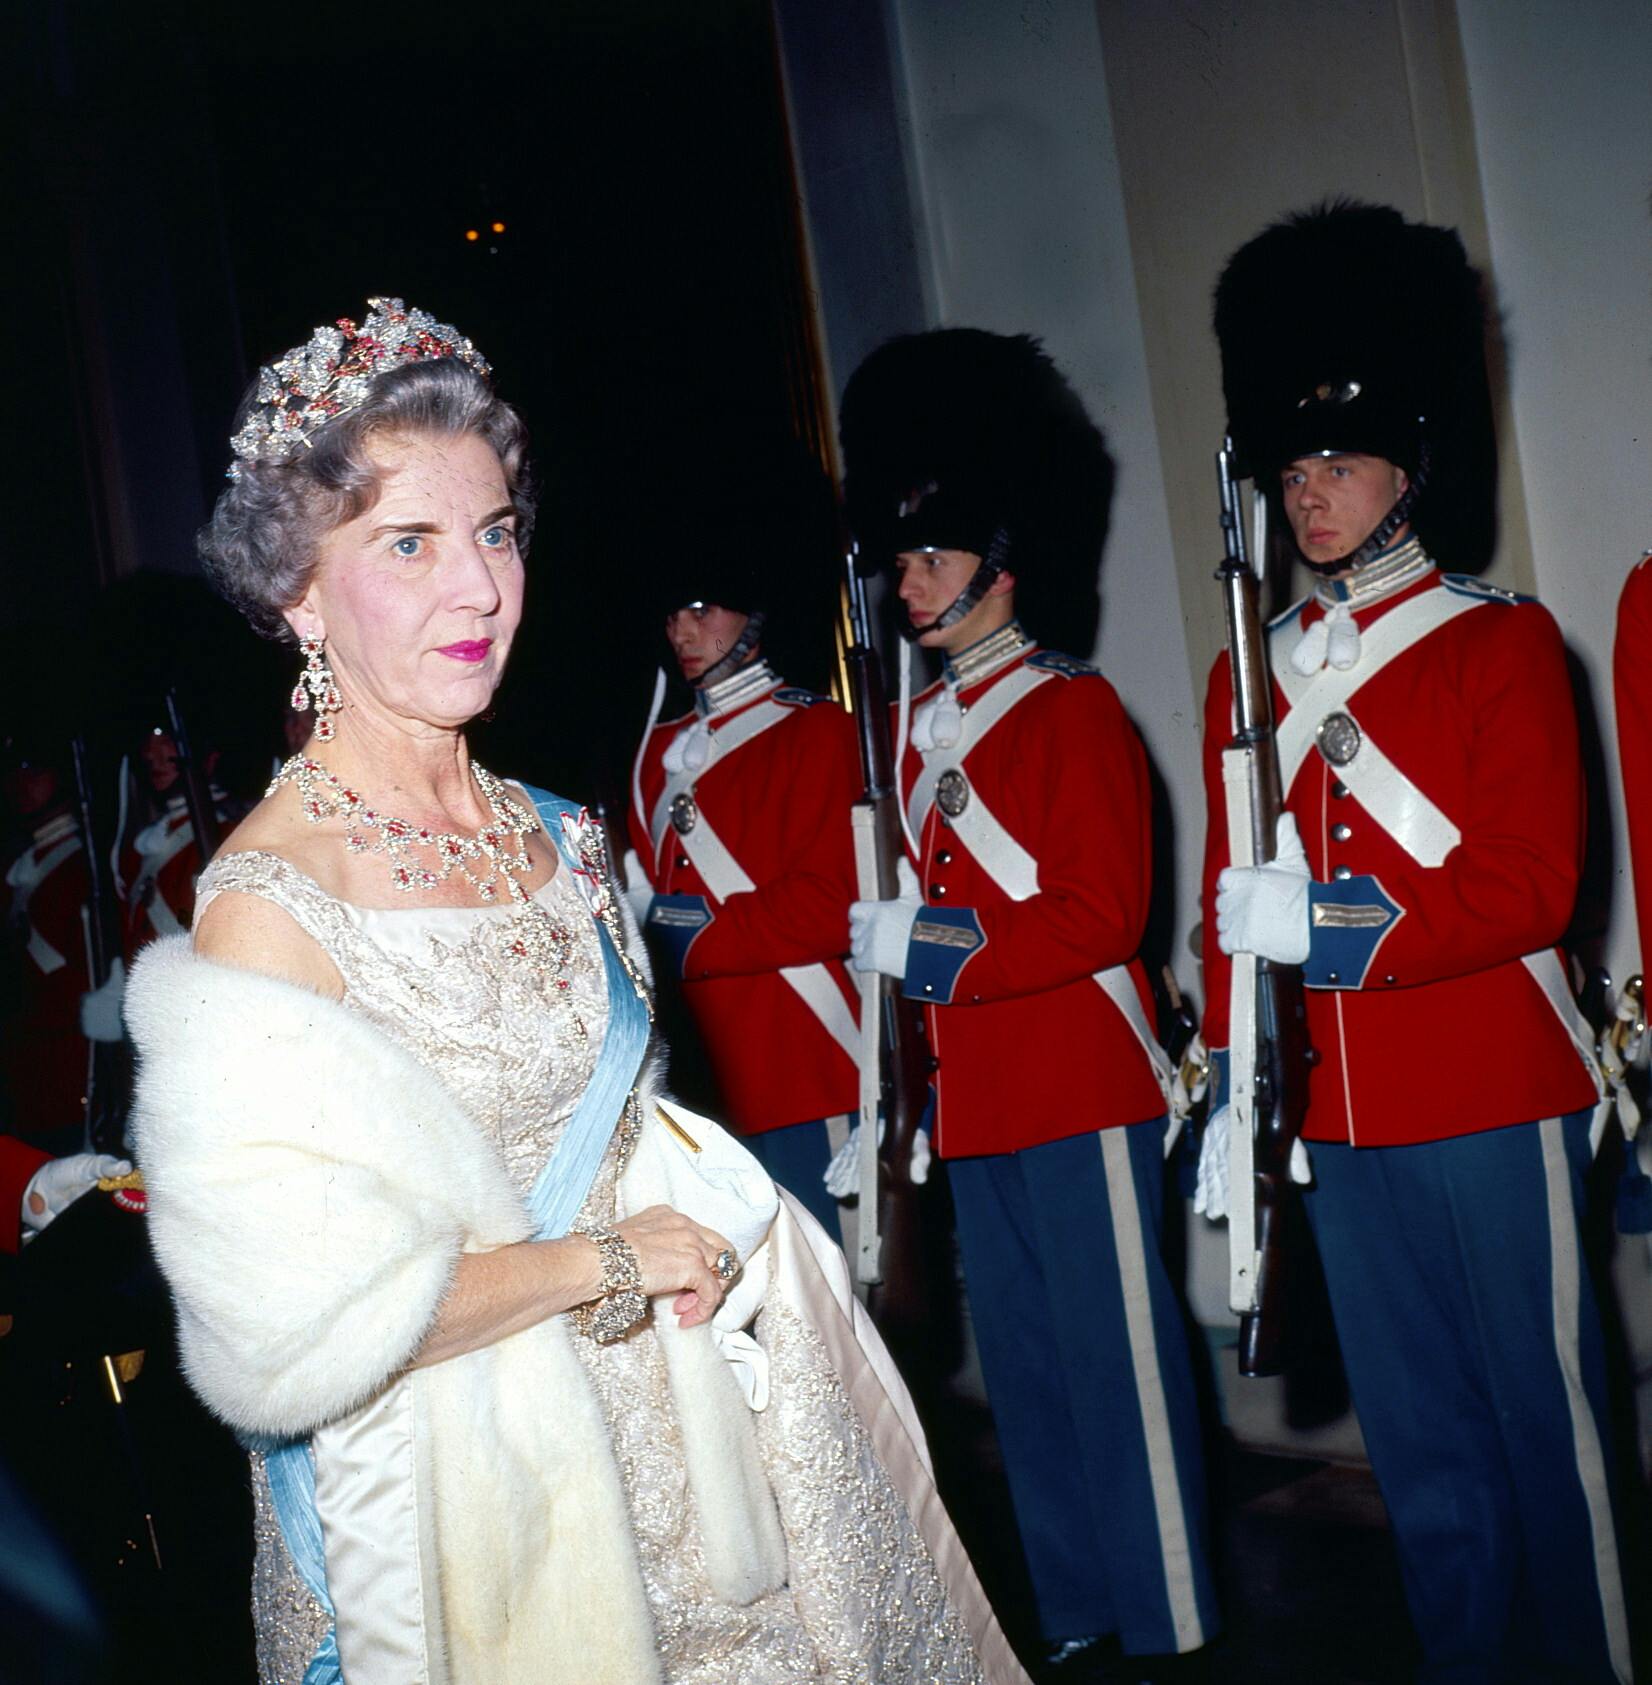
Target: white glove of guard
column 879, row 931
column 1210, row 1193
column 57, row 1184
column 638, row 891
column 842, row 1177
column 100, row 1008
column 1264, row 909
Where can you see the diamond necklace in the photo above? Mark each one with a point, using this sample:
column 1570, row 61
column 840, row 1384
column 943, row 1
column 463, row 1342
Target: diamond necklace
column 531, row 934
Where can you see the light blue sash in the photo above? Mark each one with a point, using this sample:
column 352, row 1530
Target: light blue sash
column 554, row 1203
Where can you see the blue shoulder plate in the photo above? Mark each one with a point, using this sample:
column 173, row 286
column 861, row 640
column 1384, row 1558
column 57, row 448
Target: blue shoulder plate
column 794, row 696
column 1069, row 667
column 1466, row 585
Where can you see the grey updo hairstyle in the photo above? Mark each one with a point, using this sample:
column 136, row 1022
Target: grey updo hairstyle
column 260, row 547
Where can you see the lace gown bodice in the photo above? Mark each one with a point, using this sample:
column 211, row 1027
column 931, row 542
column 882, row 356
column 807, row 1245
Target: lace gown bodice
column 516, row 1048
column 515, row 1045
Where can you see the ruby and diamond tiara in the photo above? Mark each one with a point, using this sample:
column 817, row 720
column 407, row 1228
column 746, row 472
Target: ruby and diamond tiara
column 332, row 373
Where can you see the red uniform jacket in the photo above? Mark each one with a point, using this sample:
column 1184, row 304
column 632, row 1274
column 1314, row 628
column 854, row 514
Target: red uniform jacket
column 780, row 803
column 18, row 1163
column 1425, row 1020
column 1028, row 1048
column 1632, row 685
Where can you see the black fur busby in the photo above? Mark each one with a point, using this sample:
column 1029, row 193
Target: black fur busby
column 743, row 516
column 1346, row 327
column 958, row 438
column 733, row 518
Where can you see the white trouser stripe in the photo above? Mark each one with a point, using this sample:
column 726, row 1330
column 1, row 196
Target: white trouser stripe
column 1590, row 1461
column 1128, row 1242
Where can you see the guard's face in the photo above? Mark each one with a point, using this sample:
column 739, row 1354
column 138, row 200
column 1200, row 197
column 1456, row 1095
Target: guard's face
column 1335, row 502
column 929, row 583
column 159, row 755
column 419, row 596
column 701, row 634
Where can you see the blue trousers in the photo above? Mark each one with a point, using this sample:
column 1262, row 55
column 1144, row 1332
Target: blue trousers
column 796, row 1157
column 1086, row 1361
column 1473, row 1347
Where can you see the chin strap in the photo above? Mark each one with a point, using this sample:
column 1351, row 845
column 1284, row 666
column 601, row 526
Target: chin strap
column 1382, row 534
column 739, row 652
column 980, row 582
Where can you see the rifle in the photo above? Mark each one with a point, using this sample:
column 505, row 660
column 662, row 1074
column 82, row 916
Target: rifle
column 891, row 1255
column 105, row 1113
column 1268, row 1041
column 203, row 813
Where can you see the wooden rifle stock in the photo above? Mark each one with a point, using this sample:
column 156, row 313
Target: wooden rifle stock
column 900, row 1299
column 1279, row 1062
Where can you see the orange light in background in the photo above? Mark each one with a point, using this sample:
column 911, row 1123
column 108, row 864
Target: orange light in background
column 472, row 234
column 499, row 228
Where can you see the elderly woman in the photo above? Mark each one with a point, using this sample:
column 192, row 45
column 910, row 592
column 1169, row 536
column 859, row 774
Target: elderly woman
column 409, row 1179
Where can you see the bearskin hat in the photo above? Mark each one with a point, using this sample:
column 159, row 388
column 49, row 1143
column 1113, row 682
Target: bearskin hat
column 957, row 437
column 740, row 517
column 1345, row 327
column 744, row 516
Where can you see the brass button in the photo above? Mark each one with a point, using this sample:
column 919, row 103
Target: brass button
column 1342, row 832
column 944, row 858
column 1333, row 977
column 1339, row 790
column 938, row 890
column 682, row 862
column 1342, row 873
column 1389, row 978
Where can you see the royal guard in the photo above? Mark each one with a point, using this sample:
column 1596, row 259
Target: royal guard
column 740, row 814
column 973, row 470
column 1426, row 868
column 162, row 859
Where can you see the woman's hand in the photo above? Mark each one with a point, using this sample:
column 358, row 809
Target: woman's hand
column 676, row 1254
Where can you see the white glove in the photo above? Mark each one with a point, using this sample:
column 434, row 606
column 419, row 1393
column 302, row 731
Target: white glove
column 1264, row 909
column 638, row 890
column 58, row 1183
column 100, row 1008
column 1210, row 1194
column 842, row 1177
column 879, row 931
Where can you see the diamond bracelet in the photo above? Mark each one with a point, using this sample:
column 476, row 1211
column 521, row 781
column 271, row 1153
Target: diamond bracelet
column 622, row 1304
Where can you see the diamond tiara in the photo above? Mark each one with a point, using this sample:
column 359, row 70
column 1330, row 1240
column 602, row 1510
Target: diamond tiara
column 332, row 374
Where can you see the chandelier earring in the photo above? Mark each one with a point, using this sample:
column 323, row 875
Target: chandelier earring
column 317, row 687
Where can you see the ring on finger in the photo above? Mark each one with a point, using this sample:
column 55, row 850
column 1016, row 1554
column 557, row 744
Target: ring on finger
column 726, row 1266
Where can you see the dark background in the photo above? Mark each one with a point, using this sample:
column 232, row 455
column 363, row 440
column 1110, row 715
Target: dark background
column 190, row 189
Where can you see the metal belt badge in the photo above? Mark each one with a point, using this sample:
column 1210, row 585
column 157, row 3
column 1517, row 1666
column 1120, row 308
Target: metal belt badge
column 685, row 815
column 952, row 792
column 1338, row 736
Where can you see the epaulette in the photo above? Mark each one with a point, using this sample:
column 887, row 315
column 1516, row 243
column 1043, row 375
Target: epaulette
column 1068, row 666
column 795, row 696
column 1466, row 585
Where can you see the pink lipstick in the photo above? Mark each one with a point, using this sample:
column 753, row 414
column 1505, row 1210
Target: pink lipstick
column 472, row 649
